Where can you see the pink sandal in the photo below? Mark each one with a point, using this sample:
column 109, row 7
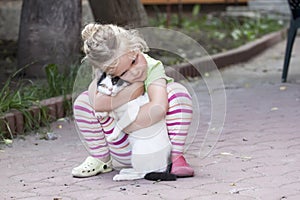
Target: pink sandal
column 181, row 168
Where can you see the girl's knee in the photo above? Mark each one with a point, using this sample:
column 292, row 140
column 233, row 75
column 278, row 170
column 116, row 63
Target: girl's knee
column 178, row 93
column 82, row 98
column 82, row 105
column 175, row 87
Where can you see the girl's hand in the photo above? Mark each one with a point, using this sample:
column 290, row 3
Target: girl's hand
column 104, row 103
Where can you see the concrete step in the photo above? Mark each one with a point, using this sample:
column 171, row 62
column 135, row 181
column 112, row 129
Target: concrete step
column 274, row 6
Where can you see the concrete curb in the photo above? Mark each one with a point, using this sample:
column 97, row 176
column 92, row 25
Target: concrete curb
column 234, row 56
column 13, row 122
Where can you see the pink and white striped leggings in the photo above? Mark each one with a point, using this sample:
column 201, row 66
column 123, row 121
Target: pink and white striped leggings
column 94, row 131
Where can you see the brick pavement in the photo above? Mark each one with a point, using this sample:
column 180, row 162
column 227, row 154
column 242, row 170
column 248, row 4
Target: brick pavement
column 255, row 158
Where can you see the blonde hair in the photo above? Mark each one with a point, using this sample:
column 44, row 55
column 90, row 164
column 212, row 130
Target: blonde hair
column 103, row 44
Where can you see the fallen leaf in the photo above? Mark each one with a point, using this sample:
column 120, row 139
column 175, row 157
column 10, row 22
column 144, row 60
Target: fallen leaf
column 226, row 154
column 64, row 119
column 213, row 129
column 246, row 157
column 8, row 141
column 274, row 109
column 282, row 88
column 247, row 85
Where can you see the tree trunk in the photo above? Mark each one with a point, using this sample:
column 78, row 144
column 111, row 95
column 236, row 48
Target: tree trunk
column 49, row 34
column 129, row 13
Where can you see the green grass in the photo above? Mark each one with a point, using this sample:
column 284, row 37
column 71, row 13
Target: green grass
column 218, row 32
column 20, row 94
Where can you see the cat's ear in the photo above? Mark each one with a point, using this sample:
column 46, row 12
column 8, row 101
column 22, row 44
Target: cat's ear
column 123, row 83
column 102, row 77
column 115, row 80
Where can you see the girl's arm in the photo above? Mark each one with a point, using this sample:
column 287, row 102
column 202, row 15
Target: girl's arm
column 104, row 103
column 153, row 111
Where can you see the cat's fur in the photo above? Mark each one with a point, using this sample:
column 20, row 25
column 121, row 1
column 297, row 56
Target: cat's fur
column 110, row 85
column 151, row 146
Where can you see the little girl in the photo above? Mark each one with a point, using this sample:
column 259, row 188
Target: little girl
column 119, row 52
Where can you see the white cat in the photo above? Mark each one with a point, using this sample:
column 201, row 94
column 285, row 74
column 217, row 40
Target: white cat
column 151, row 146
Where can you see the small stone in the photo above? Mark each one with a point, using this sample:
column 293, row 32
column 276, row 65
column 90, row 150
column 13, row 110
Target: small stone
column 51, row 136
column 234, row 191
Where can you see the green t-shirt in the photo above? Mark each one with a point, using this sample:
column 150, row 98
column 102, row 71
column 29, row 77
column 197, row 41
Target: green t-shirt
column 155, row 71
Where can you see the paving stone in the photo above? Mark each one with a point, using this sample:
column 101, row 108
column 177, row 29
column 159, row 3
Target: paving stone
column 256, row 156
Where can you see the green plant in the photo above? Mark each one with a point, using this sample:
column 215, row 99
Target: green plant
column 13, row 98
column 26, row 93
column 196, row 10
column 61, row 84
column 219, row 32
column 58, row 83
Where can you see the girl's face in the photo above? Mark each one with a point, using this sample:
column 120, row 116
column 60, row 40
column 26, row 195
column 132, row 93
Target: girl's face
column 131, row 67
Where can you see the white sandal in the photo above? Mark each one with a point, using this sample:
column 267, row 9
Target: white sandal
column 91, row 167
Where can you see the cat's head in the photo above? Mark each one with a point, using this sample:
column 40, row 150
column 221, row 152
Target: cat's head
column 110, row 85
